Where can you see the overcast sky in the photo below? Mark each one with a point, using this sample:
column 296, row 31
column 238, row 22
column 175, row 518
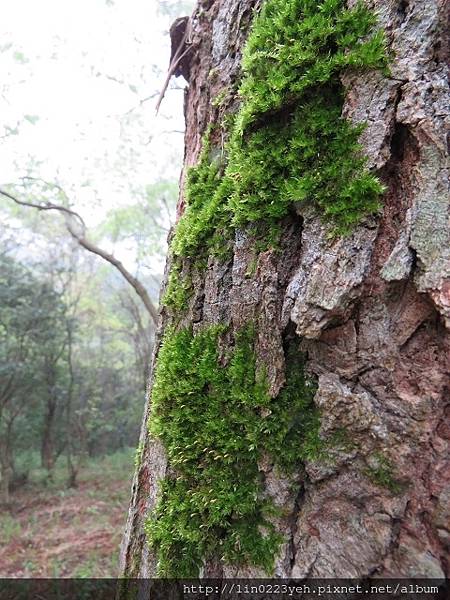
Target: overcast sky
column 73, row 74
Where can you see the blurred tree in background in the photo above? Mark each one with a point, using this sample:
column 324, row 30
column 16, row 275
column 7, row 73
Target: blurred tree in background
column 32, row 342
column 75, row 338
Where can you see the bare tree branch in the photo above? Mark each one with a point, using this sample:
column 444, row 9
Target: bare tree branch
column 184, row 47
column 141, row 102
column 80, row 238
column 166, row 206
column 44, row 206
column 135, row 283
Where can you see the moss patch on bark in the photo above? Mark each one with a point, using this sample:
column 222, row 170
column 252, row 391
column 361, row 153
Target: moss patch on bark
column 289, row 142
column 216, row 420
column 383, row 474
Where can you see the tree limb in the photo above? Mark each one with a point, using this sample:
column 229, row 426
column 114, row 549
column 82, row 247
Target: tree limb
column 182, row 49
column 44, row 206
column 80, row 238
column 135, row 283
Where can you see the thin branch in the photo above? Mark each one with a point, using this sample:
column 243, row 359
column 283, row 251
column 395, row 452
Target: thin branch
column 170, row 72
column 50, row 184
column 141, row 102
column 9, row 131
column 94, row 249
column 135, row 283
column 168, row 211
column 176, row 60
column 44, row 206
column 156, row 224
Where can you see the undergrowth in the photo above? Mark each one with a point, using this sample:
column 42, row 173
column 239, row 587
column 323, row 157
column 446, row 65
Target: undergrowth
column 216, row 421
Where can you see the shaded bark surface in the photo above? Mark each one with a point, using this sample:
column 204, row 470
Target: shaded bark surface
column 372, row 311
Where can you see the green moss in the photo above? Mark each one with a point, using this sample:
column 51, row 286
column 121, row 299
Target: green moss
column 293, row 427
column 297, row 46
column 219, row 100
column 138, row 454
column 314, row 158
column 205, row 224
column 252, row 267
column 178, row 290
column 216, row 421
column 289, row 142
column 383, row 474
column 341, row 440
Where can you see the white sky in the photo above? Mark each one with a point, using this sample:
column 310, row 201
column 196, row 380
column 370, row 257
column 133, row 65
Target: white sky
column 85, row 64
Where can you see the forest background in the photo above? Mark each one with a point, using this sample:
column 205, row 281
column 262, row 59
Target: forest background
column 79, row 85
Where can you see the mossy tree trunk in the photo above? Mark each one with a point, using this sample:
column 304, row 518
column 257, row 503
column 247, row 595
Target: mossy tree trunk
column 361, row 295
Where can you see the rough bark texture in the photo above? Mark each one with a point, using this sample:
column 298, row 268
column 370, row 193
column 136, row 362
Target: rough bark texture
column 372, row 311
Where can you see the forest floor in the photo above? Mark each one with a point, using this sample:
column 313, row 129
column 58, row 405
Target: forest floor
column 56, row 532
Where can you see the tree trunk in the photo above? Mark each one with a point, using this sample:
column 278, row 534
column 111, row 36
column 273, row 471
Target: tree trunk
column 6, row 471
column 48, row 429
column 369, row 309
column 6, row 454
column 72, row 467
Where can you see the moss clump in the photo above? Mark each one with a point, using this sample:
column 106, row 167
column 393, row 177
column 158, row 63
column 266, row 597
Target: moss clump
column 314, row 157
column 293, row 427
column 298, row 46
column 178, row 290
column 203, row 227
column 216, row 421
column 289, row 142
column 383, row 474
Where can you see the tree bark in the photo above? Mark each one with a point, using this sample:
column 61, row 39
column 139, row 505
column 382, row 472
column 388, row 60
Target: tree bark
column 371, row 310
